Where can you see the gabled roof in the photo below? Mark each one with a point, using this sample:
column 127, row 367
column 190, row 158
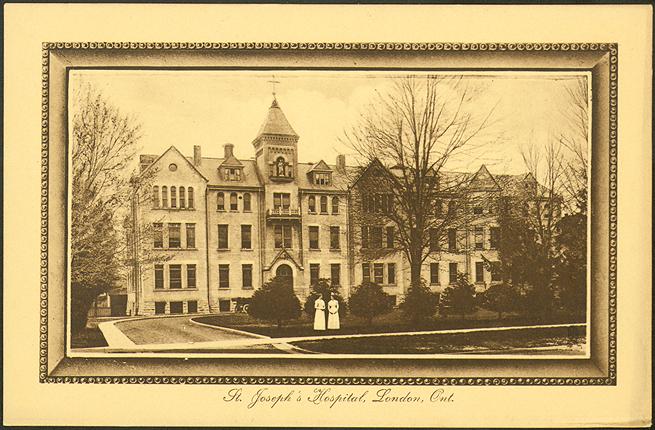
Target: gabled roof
column 284, row 255
column 483, row 181
column 173, row 148
column 374, row 164
column 276, row 122
column 321, row 166
column 231, row 161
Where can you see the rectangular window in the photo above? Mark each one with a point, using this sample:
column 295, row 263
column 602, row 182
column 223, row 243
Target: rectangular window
column 364, row 236
column 434, row 239
column 160, row 308
column 477, row 210
column 334, row 237
column 496, row 273
column 223, row 276
column 158, row 235
column 324, row 205
column 224, row 305
column 282, row 236
column 378, row 273
column 176, row 307
column 246, row 276
column 438, row 209
column 174, row 235
column 191, row 276
column 452, row 240
column 222, row 236
column 234, row 202
column 479, row 238
column 190, row 235
column 391, row 236
column 376, row 237
column 246, row 236
column 192, row 306
column 452, row 273
column 313, row 237
column 366, row 273
column 479, row 271
column 434, row 273
column 175, row 276
column 281, row 201
column 159, row 276
column 335, row 275
column 391, row 273
column 314, row 273
column 494, row 237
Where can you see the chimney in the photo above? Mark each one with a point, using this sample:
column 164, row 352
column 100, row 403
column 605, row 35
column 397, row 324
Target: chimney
column 197, row 158
column 146, row 160
column 229, row 150
column 341, row 163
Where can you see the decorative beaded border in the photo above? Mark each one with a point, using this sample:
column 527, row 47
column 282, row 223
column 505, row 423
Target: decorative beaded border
column 611, row 48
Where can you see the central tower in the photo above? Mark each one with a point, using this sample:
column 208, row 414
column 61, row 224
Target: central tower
column 276, row 147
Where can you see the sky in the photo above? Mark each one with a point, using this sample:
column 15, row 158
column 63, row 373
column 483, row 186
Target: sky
column 211, row 108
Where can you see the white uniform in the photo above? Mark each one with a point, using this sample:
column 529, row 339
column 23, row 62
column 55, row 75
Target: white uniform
column 319, row 314
column 333, row 315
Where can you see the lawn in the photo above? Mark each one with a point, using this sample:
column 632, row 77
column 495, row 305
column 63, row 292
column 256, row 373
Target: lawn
column 564, row 340
column 90, row 337
column 389, row 323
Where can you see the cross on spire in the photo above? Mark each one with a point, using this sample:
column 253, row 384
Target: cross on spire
column 273, row 82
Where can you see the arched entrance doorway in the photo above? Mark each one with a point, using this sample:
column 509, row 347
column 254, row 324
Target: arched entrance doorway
column 285, row 274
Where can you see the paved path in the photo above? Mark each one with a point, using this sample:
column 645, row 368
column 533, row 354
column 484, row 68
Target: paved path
column 181, row 333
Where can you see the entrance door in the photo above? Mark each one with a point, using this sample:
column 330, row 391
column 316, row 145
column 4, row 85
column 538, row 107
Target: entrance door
column 285, row 274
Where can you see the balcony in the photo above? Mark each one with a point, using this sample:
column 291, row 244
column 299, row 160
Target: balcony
column 283, row 214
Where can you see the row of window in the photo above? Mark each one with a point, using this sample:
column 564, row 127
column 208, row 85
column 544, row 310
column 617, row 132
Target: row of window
column 323, row 205
column 223, row 236
column 175, row 276
column 234, row 202
column 174, row 235
column 176, row 307
column 161, row 200
column 372, row 237
column 224, row 276
column 453, row 270
column 282, row 235
column 377, row 203
column 315, row 274
column 375, row 272
column 478, row 238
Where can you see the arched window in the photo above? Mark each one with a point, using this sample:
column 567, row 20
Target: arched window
column 234, row 205
column 173, row 198
column 220, row 202
column 164, row 196
column 324, row 204
column 246, row 202
column 190, row 197
column 312, row 204
column 280, row 167
column 182, row 198
column 335, row 205
column 155, row 196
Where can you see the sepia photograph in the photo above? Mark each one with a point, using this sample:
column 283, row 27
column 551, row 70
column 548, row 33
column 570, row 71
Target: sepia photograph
column 329, row 213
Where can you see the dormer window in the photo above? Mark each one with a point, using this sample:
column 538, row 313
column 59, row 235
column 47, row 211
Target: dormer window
column 232, row 174
column 322, row 178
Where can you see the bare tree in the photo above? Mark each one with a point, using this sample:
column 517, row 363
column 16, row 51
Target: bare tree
column 404, row 141
column 575, row 139
column 104, row 145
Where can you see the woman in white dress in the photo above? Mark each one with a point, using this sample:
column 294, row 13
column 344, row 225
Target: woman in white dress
column 319, row 314
column 333, row 314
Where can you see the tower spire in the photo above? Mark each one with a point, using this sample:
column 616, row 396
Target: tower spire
column 273, row 82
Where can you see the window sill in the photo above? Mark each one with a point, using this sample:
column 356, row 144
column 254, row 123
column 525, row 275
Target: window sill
column 335, row 249
column 222, row 249
column 174, row 289
column 246, row 249
column 314, row 249
column 173, row 209
column 223, row 288
column 247, row 288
